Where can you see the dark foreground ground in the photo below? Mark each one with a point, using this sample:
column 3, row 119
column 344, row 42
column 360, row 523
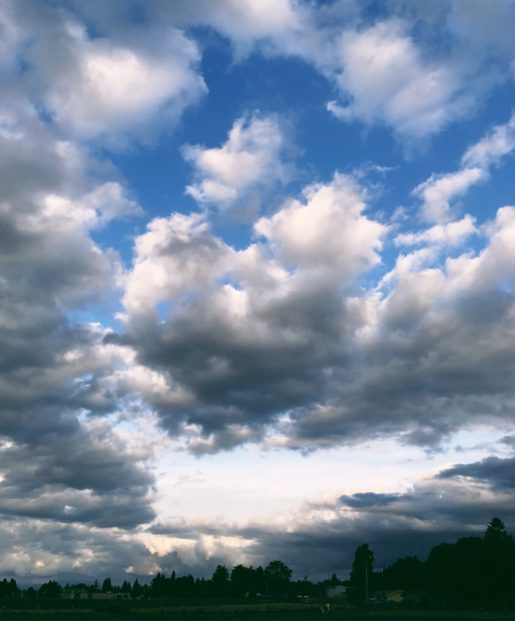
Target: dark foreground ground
column 248, row 612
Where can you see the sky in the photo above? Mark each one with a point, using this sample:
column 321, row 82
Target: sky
column 257, row 269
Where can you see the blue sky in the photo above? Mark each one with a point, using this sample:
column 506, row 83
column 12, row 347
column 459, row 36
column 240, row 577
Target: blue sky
column 256, row 271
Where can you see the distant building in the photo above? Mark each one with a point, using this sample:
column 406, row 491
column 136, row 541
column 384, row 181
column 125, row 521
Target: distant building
column 395, row 596
column 108, row 595
column 73, row 593
column 83, row 594
column 336, row 591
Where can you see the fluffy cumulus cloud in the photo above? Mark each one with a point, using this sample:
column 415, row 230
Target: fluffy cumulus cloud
column 175, row 256
column 329, row 231
column 279, row 341
column 247, row 24
column 54, row 466
column 422, row 367
column 90, row 480
column 418, row 88
column 104, row 86
column 109, row 88
column 386, row 78
column 383, row 72
column 499, row 143
column 250, row 162
column 451, row 234
column 267, row 324
column 50, row 266
column 440, row 191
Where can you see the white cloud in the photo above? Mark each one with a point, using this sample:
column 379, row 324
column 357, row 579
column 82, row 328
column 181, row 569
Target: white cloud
column 96, row 87
column 176, row 255
column 493, row 147
column 494, row 266
column 382, row 73
column 450, row 234
column 245, row 22
column 250, row 161
column 409, row 263
column 383, row 76
column 438, row 191
column 106, row 202
column 328, row 231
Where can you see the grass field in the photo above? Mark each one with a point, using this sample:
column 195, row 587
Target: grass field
column 248, row 612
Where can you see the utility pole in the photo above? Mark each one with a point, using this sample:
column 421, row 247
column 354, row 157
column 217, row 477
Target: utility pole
column 366, row 583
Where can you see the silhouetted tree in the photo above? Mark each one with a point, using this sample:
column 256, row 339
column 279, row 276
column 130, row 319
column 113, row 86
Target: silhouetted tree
column 496, row 534
column 455, row 571
column 220, row 581
column 258, row 580
column 30, row 593
column 333, row 581
column 407, row 573
column 361, row 573
column 277, row 576
column 107, row 586
column 242, row 580
column 137, row 589
column 185, row 586
column 9, row 588
column 475, row 570
column 499, row 562
column 305, row 587
column 159, row 586
column 50, row 589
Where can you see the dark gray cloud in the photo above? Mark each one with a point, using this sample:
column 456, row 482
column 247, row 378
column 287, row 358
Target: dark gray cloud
column 497, row 472
column 242, row 377
column 54, row 466
column 72, row 475
column 509, row 440
column 365, row 500
column 47, row 454
column 322, row 363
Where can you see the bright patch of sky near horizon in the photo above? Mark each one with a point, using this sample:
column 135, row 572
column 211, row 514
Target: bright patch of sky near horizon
column 255, row 258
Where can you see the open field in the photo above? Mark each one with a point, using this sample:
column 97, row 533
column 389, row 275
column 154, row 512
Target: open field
column 248, row 612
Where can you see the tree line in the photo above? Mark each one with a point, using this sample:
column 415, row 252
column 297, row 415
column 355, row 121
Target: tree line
column 473, row 571
column 274, row 580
